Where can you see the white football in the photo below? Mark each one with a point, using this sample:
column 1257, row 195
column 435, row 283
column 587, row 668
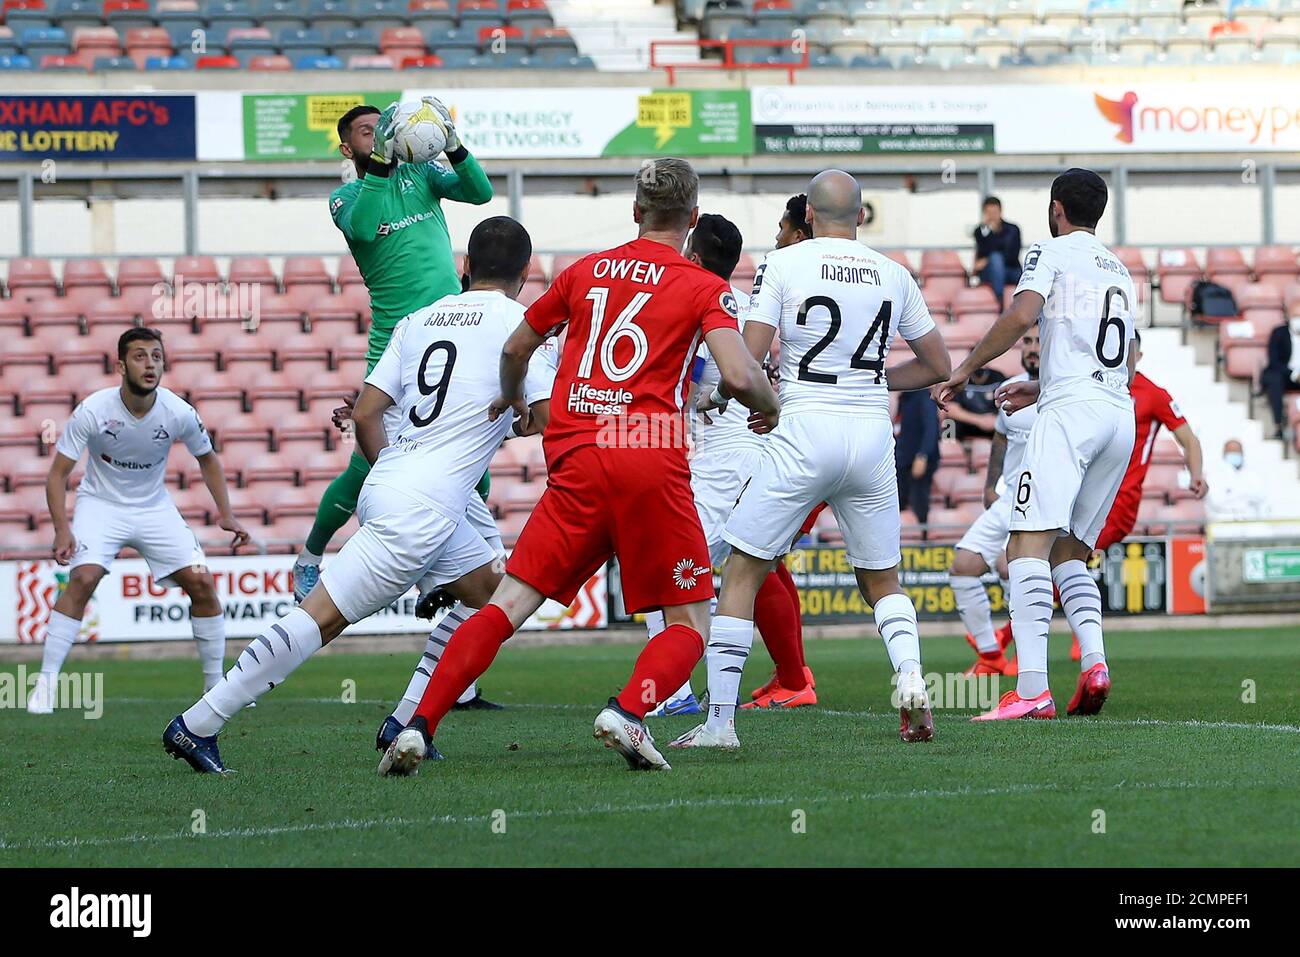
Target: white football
column 419, row 135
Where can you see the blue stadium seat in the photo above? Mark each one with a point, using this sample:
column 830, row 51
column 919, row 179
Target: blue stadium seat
column 317, row 63
column 250, row 46
column 43, row 41
column 870, row 62
column 508, row 60
column 277, row 15
column 180, row 21
column 1015, row 60
column 432, row 20
column 167, row 63
column 129, row 19
column 826, row 13
column 20, row 19
column 353, row 41
column 302, row 43
column 825, row 61
column 452, row 39
column 16, row 62
column 457, row 58
column 563, row 61
column 8, row 43
column 182, row 37
column 381, row 14
column 71, row 14
column 113, row 63
column 483, row 16
column 720, row 18
column 227, row 15
column 331, row 13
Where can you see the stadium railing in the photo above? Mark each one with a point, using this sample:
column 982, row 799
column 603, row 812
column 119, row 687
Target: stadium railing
column 729, row 60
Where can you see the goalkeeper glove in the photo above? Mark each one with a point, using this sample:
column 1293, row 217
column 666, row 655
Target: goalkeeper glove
column 453, row 141
column 382, row 151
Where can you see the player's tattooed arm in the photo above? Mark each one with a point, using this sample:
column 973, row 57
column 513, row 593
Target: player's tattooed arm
column 214, row 477
column 997, row 456
column 930, row 363
column 515, row 355
column 1002, row 335
column 368, row 419
column 743, row 377
column 56, row 499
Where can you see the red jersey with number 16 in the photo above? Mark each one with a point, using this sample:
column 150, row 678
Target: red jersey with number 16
column 636, row 315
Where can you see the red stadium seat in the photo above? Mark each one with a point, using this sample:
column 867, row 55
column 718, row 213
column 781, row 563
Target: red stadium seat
column 900, row 257
column 980, row 450
column 195, row 269
column 1261, row 303
column 967, row 488
column 978, row 299
column 953, row 454
column 1132, row 259
column 1245, row 362
column 942, row 289
column 86, row 274
column 563, row 262
column 139, row 272
column 531, row 292
column 309, row 271
column 966, row 331
column 743, row 275
column 1225, row 262
column 31, row 273
column 509, row 461
column 1277, row 261
column 1177, row 269
column 252, row 269
column 937, row 263
column 217, row 63
column 45, row 313
column 348, row 273
column 400, row 43
column 338, row 307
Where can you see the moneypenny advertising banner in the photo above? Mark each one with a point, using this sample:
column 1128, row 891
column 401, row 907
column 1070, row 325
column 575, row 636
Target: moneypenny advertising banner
column 254, row 591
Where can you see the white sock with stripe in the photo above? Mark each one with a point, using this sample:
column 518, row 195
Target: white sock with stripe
column 976, row 614
column 1031, row 616
column 729, row 642
column 896, row 622
column 267, row 661
column 433, row 647
column 210, row 637
column 1081, row 602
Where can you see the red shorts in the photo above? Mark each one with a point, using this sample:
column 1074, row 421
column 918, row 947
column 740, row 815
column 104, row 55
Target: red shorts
column 811, row 520
column 633, row 503
column 1123, row 516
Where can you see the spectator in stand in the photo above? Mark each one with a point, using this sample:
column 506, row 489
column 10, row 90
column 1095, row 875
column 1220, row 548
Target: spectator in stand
column 974, row 413
column 1282, row 373
column 916, row 451
column 997, row 249
column 1236, row 492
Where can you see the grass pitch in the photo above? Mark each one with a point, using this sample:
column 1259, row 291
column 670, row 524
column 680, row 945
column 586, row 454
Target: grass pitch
column 1178, row 769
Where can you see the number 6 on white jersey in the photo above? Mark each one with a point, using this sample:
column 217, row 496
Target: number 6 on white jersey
column 623, row 327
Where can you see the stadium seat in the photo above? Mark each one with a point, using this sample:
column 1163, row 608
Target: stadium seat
column 939, row 264
column 401, row 42
column 431, row 15
column 1276, row 266
column 26, row 272
column 1177, row 270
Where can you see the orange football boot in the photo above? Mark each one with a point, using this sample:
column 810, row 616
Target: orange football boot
column 1092, row 691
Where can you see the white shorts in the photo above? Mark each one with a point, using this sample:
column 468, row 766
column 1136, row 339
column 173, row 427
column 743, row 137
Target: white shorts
column 1072, row 470
column 480, row 516
column 159, row 534
column 399, row 541
column 717, row 477
column 987, row 536
column 845, row 460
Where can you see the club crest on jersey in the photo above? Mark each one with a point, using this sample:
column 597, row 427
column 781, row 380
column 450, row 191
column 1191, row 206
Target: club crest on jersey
column 686, row 572
column 728, row 302
column 161, row 435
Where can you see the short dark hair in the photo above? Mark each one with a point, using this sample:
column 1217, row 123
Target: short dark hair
column 346, row 120
column 1082, row 194
column 991, row 201
column 499, row 249
column 796, row 210
column 137, row 334
column 718, row 243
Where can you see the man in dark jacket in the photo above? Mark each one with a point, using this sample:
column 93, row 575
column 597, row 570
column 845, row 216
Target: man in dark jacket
column 997, row 249
column 916, row 451
column 1282, row 373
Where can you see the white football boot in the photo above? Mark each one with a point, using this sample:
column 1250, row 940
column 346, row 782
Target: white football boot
column 617, row 729
column 404, row 755
column 915, row 721
column 701, row 737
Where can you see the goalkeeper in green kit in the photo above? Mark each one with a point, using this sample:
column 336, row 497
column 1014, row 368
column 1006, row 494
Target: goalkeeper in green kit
column 392, row 220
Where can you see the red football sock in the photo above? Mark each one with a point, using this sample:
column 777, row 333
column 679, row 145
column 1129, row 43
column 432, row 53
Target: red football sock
column 468, row 654
column 778, row 623
column 783, row 573
column 662, row 667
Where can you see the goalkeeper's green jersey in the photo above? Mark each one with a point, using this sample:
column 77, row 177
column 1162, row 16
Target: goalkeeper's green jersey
column 395, row 228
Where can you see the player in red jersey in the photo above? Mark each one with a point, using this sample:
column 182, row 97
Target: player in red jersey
column 636, row 315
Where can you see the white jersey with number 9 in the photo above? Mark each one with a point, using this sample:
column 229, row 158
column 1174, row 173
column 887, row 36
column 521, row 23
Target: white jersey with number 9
column 837, row 305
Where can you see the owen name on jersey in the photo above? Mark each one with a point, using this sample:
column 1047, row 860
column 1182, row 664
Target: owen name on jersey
column 633, row 270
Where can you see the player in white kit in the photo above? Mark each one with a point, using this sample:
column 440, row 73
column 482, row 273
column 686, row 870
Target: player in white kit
column 1080, row 444
column 129, row 431
column 837, row 305
column 983, row 546
column 440, row 370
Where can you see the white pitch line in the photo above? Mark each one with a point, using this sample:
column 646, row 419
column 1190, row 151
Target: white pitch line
column 359, row 824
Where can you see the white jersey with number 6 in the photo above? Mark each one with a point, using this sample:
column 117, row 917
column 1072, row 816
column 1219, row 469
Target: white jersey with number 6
column 441, row 369
column 1087, row 320
column 837, row 305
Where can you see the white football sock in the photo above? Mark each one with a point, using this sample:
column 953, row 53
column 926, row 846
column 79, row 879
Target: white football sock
column 306, row 558
column 973, row 606
column 267, row 661
column 1031, row 616
column 433, row 648
column 896, row 622
column 729, row 642
column 210, row 636
column 60, row 634
column 1081, row 602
